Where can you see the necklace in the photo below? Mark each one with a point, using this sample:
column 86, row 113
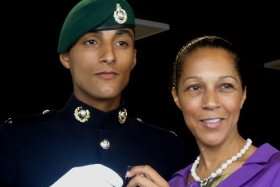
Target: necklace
column 219, row 171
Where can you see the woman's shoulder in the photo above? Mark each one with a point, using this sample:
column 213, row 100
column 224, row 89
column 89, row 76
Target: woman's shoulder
column 268, row 161
column 265, row 155
column 274, row 160
column 178, row 178
column 268, row 158
column 269, row 153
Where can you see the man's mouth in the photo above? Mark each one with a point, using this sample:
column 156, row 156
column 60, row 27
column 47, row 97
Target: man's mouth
column 107, row 75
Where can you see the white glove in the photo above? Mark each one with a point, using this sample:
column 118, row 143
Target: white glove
column 95, row 175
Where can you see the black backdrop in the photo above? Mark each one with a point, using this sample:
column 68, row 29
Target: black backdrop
column 33, row 80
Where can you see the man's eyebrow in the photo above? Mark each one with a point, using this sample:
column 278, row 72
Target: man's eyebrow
column 94, row 33
column 125, row 31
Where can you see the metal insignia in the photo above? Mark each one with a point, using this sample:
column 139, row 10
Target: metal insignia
column 120, row 14
column 105, row 144
column 82, row 115
column 9, row 121
column 46, row 111
column 122, row 116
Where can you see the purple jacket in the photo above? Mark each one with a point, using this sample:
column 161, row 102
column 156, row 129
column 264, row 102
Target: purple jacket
column 262, row 169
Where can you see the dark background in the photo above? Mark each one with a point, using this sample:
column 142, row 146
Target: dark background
column 32, row 79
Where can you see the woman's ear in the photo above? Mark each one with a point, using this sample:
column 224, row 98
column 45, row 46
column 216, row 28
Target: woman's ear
column 244, row 96
column 175, row 97
column 65, row 60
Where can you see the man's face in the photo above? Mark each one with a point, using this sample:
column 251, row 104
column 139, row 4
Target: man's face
column 100, row 64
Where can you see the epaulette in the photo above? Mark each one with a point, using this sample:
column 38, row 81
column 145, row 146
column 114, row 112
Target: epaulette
column 140, row 120
column 7, row 123
column 46, row 111
column 10, row 121
column 173, row 132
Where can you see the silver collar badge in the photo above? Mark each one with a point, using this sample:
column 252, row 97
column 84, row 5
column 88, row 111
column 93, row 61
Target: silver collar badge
column 82, row 115
column 122, row 116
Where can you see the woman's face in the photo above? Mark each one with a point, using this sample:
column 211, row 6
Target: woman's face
column 210, row 95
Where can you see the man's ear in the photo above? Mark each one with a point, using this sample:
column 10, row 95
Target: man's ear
column 65, row 60
column 175, row 97
column 134, row 59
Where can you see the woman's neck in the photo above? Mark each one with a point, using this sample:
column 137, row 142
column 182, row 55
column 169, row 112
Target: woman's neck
column 213, row 156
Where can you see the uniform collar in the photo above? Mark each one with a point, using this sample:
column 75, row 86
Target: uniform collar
column 98, row 118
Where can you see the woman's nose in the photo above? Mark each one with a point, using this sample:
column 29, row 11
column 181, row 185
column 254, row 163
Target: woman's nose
column 210, row 100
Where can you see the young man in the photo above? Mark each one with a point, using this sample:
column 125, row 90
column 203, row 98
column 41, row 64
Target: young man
column 92, row 141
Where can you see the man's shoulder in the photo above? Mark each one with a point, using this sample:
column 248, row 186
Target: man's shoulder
column 25, row 121
column 150, row 127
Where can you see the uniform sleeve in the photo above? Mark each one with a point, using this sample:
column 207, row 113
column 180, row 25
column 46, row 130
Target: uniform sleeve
column 179, row 154
column 7, row 157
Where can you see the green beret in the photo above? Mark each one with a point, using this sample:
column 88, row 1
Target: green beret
column 90, row 15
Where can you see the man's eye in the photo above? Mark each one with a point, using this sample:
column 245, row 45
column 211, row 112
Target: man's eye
column 122, row 43
column 90, row 42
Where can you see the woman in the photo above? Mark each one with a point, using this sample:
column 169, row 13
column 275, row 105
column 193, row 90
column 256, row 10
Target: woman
column 210, row 92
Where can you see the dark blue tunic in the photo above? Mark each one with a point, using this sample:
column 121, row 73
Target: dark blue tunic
column 38, row 151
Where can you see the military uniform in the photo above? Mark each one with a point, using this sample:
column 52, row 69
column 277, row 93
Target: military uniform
column 37, row 152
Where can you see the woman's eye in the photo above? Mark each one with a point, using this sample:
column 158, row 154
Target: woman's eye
column 227, row 86
column 90, row 42
column 193, row 88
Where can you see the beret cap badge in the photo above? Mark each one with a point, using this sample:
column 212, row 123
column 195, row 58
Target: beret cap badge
column 120, row 14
